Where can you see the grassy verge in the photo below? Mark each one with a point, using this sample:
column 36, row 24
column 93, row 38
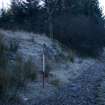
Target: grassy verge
column 15, row 74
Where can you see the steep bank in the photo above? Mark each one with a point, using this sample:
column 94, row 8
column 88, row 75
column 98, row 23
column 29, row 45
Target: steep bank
column 63, row 65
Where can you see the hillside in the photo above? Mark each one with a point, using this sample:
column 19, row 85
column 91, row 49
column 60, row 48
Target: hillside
column 63, row 66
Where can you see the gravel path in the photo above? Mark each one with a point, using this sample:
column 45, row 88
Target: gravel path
column 81, row 91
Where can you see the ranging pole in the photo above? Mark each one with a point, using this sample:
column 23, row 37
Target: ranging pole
column 43, row 65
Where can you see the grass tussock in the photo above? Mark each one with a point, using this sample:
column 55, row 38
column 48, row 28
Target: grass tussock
column 3, row 52
column 5, row 80
column 101, row 93
column 25, row 71
column 16, row 77
column 16, row 74
column 55, row 82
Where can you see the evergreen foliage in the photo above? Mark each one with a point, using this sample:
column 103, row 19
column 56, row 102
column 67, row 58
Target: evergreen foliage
column 76, row 23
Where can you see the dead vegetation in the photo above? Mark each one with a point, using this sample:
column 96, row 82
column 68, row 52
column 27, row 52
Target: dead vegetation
column 14, row 75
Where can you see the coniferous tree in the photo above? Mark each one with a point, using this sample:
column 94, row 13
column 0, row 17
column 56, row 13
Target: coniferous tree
column 76, row 23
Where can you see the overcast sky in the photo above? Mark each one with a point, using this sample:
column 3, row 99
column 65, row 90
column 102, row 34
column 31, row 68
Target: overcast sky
column 6, row 4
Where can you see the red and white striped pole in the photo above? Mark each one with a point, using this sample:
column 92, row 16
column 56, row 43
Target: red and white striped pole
column 43, row 65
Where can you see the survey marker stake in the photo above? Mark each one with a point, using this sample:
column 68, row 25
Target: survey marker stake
column 43, row 65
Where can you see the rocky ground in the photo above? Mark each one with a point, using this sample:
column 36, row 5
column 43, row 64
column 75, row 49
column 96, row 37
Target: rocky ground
column 81, row 91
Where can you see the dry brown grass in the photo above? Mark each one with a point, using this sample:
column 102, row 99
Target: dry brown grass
column 25, row 71
column 5, row 80
column 55, row 82
column 13, row 75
